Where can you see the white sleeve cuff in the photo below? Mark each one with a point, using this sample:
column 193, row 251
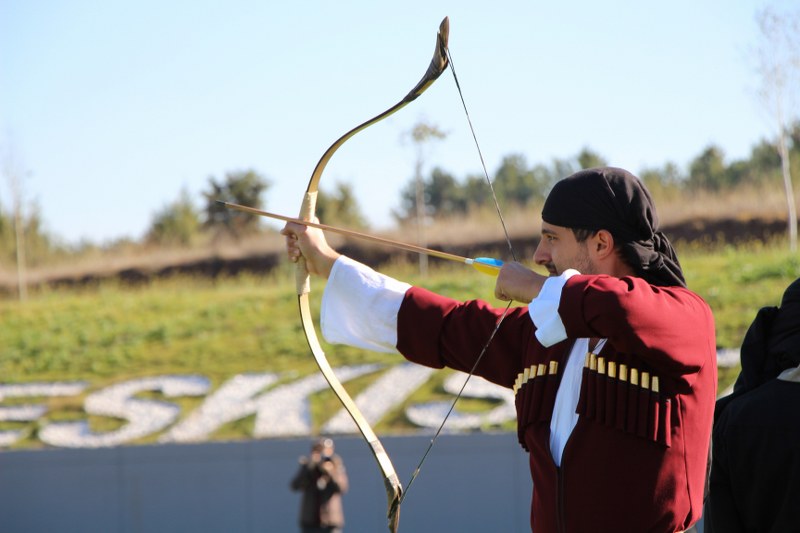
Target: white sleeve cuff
column 543, row 310
column 360, row 306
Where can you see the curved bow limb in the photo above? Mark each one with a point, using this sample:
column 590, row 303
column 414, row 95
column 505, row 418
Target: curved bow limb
column 394, row 488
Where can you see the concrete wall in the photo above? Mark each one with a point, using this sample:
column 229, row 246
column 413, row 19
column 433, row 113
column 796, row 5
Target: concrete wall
column 468, row 483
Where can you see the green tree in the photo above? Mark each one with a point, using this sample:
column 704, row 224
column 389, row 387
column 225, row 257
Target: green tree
column 763, row 165
column 442, row 196
column 243, row 187
column 666, row 180
column 39, row 245
column 794, row 137
column 548, row 175
column 6, row 235
column 588, row 158
column 340, row 208
column 515, row 182
column 765, row 161
column 475, row 191
column 177, row 223
column 707, row 171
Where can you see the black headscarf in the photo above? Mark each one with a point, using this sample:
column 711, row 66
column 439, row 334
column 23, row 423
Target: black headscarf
column 615, row 200
column 770, row 346
column 772, row 343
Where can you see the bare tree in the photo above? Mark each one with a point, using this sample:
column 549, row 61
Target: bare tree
column 421, row 134
column 15, row 186
column 778, row 65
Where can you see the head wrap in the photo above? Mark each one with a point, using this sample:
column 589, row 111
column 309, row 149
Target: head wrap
column 615, row 200
column 772, row 343
column 770, row 346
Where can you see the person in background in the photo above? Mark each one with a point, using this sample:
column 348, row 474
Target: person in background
column 611, row 358
column 755, row 465
column 322, row 479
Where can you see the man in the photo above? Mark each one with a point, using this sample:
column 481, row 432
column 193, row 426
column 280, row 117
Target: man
column 755, row 472
column 613, row 361
column 322, row 479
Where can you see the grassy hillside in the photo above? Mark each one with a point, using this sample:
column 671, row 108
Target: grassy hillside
column 225, row 327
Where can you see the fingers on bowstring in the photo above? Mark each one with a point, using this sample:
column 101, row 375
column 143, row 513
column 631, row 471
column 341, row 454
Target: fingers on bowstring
column 500, row 295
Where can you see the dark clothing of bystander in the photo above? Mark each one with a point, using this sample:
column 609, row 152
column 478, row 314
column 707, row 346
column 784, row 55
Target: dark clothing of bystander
column 321, row 506
column 755, row 471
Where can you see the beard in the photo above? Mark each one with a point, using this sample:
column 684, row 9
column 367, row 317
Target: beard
column 580, row 262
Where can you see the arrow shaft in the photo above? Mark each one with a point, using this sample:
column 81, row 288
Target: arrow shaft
column 351, row 233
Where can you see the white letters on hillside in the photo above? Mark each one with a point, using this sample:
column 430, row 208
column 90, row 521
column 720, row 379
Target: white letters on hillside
column 144, row 417
column 280, row 406
column 232, row 401
column 284, row 411
column 31, row 412
column 390, row 390
column 280, row 412
column 430, row 415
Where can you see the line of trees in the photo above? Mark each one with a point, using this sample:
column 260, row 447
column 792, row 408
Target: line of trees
column 517, row 183
column 38, row 241
column 184, row 223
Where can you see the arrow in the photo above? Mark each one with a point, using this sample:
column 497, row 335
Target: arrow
column 485, row 265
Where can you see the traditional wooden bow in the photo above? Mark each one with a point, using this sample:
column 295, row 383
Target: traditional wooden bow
column 394, row 489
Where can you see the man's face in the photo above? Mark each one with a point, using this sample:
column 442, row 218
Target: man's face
column 316, row 452
column 559, row 250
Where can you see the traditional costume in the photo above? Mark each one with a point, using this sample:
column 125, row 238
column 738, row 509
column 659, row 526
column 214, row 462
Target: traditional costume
column 618, row 438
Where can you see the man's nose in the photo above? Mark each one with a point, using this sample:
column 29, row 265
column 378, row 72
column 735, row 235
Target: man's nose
column 542, row 254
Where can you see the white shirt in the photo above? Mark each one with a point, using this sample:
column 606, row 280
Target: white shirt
column 360, row 307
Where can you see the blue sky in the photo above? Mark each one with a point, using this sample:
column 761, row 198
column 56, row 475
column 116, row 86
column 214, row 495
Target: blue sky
column 109, row 109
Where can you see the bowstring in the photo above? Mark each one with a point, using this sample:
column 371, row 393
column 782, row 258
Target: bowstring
column 453, row 404
column 480, row 154
column 505, row 311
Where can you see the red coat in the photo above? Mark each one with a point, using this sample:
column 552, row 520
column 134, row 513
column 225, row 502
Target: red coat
column 636, row 460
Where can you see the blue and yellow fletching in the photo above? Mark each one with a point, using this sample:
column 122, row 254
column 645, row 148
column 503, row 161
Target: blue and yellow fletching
column 486, row 265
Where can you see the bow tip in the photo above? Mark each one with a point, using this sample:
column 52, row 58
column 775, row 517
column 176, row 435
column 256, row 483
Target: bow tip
column 394, row 516
column 444, row 30
column 394, row 490
column 444, row 26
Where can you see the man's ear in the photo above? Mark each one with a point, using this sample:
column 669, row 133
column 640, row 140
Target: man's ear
column 602, row 244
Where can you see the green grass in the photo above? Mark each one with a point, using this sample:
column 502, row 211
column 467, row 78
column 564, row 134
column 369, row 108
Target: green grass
column 222, row 328
column 736, row 283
